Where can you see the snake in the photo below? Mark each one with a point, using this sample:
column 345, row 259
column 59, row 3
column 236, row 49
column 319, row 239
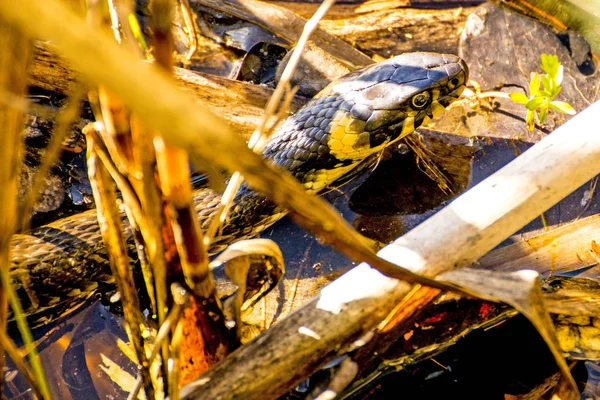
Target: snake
column 333, row 138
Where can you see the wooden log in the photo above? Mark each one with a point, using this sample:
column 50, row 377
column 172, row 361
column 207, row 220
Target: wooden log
column 389, row 28
column 286, row 24
column 240, row 104
column 566, row 248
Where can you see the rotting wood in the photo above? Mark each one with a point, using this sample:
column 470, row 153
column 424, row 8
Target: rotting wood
column 288, row 25
column 240, row 104
column 566, row 248
column 389, row 30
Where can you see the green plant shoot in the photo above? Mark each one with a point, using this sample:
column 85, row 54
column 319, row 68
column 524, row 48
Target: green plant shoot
column 543, row 99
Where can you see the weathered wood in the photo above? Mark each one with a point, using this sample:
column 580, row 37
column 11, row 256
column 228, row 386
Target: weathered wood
column 566, row 248
column 239, row 104
column 386, row 29
column 286, row 24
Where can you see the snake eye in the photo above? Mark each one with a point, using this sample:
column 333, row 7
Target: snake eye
column 420, row 100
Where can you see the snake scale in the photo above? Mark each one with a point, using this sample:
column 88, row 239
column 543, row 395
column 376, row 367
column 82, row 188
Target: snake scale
column 56, row 267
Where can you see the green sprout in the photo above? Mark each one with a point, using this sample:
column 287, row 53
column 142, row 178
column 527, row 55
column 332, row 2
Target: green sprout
column 544, row 98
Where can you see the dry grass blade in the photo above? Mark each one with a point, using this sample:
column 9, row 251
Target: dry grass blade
column 110, row 227
column 173, row 165
column 13, row 66
column 243, row 261
column 240, row 104
column 118, row 375
column 429, row 167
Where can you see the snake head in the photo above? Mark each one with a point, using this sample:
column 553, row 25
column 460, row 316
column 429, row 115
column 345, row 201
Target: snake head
column 394, row 96
column 359, row 114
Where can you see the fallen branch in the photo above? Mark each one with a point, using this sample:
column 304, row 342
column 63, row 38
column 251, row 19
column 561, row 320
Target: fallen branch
column 288, row 25
column 240, row 104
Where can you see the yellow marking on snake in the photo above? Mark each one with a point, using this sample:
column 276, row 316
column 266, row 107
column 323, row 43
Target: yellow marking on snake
column 407, row 127
column 347, row 138
column 322, row 178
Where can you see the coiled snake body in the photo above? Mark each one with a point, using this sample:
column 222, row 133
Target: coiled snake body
column 56, row 267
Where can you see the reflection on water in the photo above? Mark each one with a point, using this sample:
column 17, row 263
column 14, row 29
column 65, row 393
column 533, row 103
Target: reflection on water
column 70, row 352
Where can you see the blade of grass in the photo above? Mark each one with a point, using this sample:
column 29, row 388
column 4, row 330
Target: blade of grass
column 14, row 58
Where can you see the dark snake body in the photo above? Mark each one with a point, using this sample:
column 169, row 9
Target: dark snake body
column 56, row 267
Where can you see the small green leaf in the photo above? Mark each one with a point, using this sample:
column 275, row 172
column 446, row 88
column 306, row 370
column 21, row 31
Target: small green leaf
column 557, row 90
column 562, row 107
column 558, row 78
column 547, row 84
column 518, row 97
column 535, row 103
column 543, row 114
column 545, row 63
column 550, row 64
column 534, row 85
column 529, row 120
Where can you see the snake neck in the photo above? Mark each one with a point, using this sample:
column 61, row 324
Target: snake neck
column 251, row 213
